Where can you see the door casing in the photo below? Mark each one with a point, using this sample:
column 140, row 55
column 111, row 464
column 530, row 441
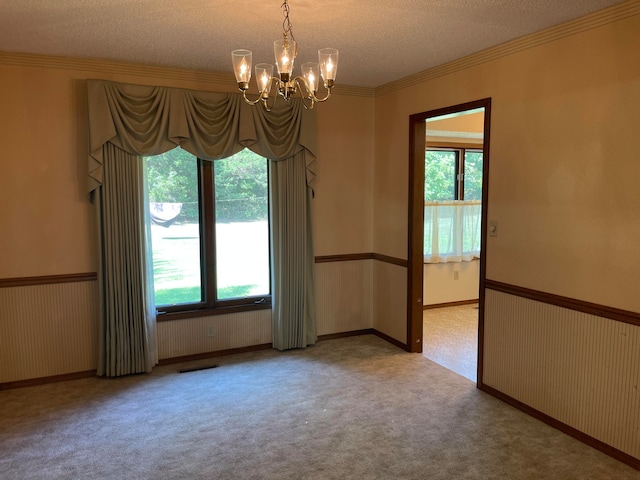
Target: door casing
column 417, row 140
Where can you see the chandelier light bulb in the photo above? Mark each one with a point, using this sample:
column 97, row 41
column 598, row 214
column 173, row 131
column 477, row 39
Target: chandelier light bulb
column 241, row 60
column 284, row 51
column 311, row 73
column 264, row 74
column 328, row 60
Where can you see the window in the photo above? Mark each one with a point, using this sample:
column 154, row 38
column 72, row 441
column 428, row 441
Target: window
column 452, row 204
column 209, row 231
column 453, row 174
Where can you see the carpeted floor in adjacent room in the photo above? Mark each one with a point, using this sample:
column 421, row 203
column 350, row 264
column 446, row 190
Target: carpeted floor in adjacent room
column 351, row 408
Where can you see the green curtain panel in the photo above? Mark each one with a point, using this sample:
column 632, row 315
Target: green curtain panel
column 127, row 343
column 292, row 256
column 129, row 121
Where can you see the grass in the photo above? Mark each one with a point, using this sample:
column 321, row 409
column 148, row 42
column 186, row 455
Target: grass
column 175, row 296
column 242, row 267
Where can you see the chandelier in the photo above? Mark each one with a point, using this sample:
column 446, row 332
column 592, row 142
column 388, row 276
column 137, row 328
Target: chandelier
column 286, row 85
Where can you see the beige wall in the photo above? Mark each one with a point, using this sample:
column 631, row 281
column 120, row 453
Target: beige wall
column 48, row 224
column 562, row 167
column 563, row 175
column 450, row 282
column 570, row 195
column 563, row 186
column 343, row 204
column 47, row 221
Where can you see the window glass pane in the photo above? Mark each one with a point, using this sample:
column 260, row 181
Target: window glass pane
column 172, row 182
column 439, row 175
column 242, row 226
column 473, row 175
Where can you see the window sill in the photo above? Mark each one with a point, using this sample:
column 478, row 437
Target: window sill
column 206, row 312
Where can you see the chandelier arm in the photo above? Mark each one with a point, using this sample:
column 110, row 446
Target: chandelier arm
column 301, row 82
column 249, row 101
column 275, row 95
column 266, row 105
column 320, row 100
column 310, row 93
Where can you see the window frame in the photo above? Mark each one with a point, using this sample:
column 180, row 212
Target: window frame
column 210, row 305
column 459, row 173
column 459, row 151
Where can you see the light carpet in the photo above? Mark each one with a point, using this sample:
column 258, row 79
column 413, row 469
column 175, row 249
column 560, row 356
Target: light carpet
column 351, row 408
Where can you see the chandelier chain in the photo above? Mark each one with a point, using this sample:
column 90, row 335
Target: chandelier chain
column 287, row 27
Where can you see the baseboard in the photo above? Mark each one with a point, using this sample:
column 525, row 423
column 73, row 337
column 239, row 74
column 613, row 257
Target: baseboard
column 217, row 353
column 564, row 428
column 391, row 340
column 352, row 333
column 450, row 304
column 190, row 358
column 32, row 382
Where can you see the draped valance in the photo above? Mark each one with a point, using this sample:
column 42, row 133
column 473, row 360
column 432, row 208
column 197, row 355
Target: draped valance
column 148, row 120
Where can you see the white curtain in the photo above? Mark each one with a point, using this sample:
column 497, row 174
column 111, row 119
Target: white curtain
column 452, row 231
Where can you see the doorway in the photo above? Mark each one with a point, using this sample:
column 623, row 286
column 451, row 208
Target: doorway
column 435, row 130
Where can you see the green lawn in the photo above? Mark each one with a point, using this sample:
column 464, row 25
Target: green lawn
column 242, row 268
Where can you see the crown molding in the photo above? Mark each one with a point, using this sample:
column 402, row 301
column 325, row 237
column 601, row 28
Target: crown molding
column 582, row 24
column 118, row 68
column 110, row 67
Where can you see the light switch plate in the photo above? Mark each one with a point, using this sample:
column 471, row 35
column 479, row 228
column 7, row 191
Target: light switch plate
column 493, row 228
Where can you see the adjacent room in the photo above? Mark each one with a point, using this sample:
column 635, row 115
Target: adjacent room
column 405, row 249
column 453, row 203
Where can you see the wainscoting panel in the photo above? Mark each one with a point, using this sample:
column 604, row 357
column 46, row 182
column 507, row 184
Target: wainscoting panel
column 48, row 330
column 581, row 369
column 344, row 292
column 188, row 336
column 390, row 292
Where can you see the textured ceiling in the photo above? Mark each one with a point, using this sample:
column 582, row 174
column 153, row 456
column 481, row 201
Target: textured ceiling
column 380, row 41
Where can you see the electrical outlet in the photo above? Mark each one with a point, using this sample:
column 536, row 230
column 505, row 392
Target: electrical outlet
column 210, row 331
column 456, row 275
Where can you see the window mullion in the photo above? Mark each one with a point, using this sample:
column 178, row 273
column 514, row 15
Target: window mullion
column 461, row 176
column 458, row 175
column 208, row 231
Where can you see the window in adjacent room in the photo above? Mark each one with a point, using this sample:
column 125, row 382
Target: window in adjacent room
column 209, row 231
column 452, row 204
